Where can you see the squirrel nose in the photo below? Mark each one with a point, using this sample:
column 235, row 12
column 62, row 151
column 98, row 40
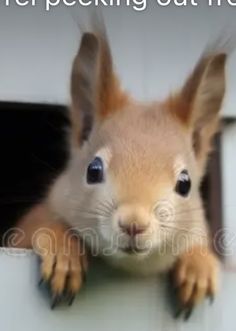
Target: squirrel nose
column 132, row 229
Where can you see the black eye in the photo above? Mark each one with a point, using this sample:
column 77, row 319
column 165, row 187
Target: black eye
column 95, row 171
column 183, row 185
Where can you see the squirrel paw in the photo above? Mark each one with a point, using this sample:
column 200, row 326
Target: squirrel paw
column 63, row 263
column 195, row 277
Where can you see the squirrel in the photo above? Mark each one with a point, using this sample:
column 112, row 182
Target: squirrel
column 130, row 191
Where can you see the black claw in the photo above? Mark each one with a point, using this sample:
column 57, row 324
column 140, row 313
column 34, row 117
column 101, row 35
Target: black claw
column 71, row 299
column 188, row 313
column 179, row 312
column 41, row 281
column 55, row 301
column 84, row 276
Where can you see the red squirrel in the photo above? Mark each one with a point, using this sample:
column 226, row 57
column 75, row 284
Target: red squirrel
column 131, row 188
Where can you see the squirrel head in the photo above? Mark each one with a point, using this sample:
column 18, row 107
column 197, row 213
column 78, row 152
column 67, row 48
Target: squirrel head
column 135, row 169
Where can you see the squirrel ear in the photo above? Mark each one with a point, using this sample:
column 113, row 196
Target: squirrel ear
column 95, row 89
column 200, row 100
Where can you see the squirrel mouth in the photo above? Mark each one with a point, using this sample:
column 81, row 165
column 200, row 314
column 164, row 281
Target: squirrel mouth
column 133, row 250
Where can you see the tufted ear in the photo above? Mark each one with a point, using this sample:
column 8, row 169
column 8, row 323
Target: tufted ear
column 198, row 103
column 95, row 89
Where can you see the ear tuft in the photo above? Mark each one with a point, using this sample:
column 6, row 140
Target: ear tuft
column 198, row 103
column 83, row 85
column 95, row 89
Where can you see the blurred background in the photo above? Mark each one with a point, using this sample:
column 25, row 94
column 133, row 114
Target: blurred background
column 153, row 50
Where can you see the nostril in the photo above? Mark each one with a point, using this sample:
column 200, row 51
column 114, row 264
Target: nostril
column 132, row 229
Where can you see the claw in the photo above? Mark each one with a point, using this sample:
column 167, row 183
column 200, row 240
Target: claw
column 55, row 301
column 57, row 294
column 41, row 281
column 188, row 313
column 178, row 313
column 84, row 276
column 71, row 299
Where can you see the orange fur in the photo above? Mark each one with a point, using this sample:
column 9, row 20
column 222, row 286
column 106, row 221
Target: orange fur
column 144, row 148
column 99, row 89
column 63, row 259
column 196, row 276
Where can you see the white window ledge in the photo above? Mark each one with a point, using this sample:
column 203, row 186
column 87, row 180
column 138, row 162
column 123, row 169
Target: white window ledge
column 108, row 302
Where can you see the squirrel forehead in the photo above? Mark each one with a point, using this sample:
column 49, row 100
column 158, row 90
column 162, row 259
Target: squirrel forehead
column 145, row 139
column 144, row 129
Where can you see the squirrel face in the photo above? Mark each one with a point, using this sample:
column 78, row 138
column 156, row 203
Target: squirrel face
column 133, row 180
column 129, row 184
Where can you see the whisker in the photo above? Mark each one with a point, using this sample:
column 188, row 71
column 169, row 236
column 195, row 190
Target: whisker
column 105, row 205
column 173, row 227
column 185, row 211
column 190, row 231
column 12, row 201
column 183, row 221
column 81, row 224
column 45, row 163
column 104, row 211
column 92, row 213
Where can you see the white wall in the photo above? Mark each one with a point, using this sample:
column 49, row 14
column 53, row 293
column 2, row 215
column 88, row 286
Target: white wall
column 109, row 302
column 153, row 50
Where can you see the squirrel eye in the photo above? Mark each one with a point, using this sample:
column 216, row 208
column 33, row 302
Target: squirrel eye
column 183, row 185
column 95, row 171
